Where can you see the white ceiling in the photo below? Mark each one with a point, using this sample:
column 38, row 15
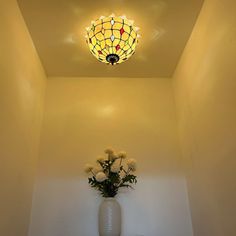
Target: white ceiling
column 57, row 28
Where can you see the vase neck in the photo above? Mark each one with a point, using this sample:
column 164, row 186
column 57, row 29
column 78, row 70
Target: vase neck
column 109, row 199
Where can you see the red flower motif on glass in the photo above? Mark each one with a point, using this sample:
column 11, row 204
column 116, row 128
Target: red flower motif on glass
column 122, row 31
column 117, row 47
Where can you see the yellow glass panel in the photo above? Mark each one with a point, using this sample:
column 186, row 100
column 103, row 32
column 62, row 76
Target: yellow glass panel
column 131, row 41
column 122, row 56
column 125, row 36
column 108, row 42
column 90, row 46
column 94, row 41
column 133, row 46
column 127, row 56
column 133, row 34
column 100, row 36
column 126, row 53
column 90, row 34
column 116, row 42
column 107, row 47
column 106, row 52
column 111, row 50
column 119, row 52
column 102, row 56
column 97, row 22
column 126, row 47
column 129, row 51
column 97, row 47
column 118, row 19
column 122, row 44
column 127, row 29
column 117, row 26
column 98, row 29
column 114, row 49
column 106, row 19
column 92, row 28
column 107, row 25
column 102, row 44
column 107, row 34
column 126, row 21
column 117, row 34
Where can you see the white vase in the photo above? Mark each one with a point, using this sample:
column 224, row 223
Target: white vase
column 109, row 217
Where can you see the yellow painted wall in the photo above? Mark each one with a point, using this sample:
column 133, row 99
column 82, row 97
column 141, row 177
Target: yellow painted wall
column 82, row 117
column 205, row 87
column 22, row 82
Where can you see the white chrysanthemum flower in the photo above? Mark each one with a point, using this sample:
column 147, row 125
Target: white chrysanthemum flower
column 115, row 168
column 101, row 159
column 109, row 151
column 97, row 169
column 88, row 168
column 122, row 155
column 131, row 163
column 100, row 177
column 113, row 156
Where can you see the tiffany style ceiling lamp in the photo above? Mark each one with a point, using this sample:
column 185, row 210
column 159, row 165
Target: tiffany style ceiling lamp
column 113, row 39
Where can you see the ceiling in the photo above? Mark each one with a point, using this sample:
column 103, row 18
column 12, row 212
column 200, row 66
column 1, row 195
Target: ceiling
column 57, row 28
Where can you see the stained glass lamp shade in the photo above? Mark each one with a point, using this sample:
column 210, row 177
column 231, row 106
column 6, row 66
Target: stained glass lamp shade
column 112, row 39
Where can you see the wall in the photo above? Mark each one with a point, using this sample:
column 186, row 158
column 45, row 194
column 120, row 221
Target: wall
column 205, row 88
column 22, row 82
column 82, row 117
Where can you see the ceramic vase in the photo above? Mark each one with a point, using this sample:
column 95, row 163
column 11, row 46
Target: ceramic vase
column 109, row 217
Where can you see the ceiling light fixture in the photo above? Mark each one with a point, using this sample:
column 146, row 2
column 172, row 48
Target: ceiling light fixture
column 112, row 39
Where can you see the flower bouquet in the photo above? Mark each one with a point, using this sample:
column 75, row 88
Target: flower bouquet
column 112, row 173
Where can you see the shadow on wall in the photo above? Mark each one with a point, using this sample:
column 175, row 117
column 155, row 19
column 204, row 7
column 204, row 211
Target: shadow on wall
column 157, row 207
